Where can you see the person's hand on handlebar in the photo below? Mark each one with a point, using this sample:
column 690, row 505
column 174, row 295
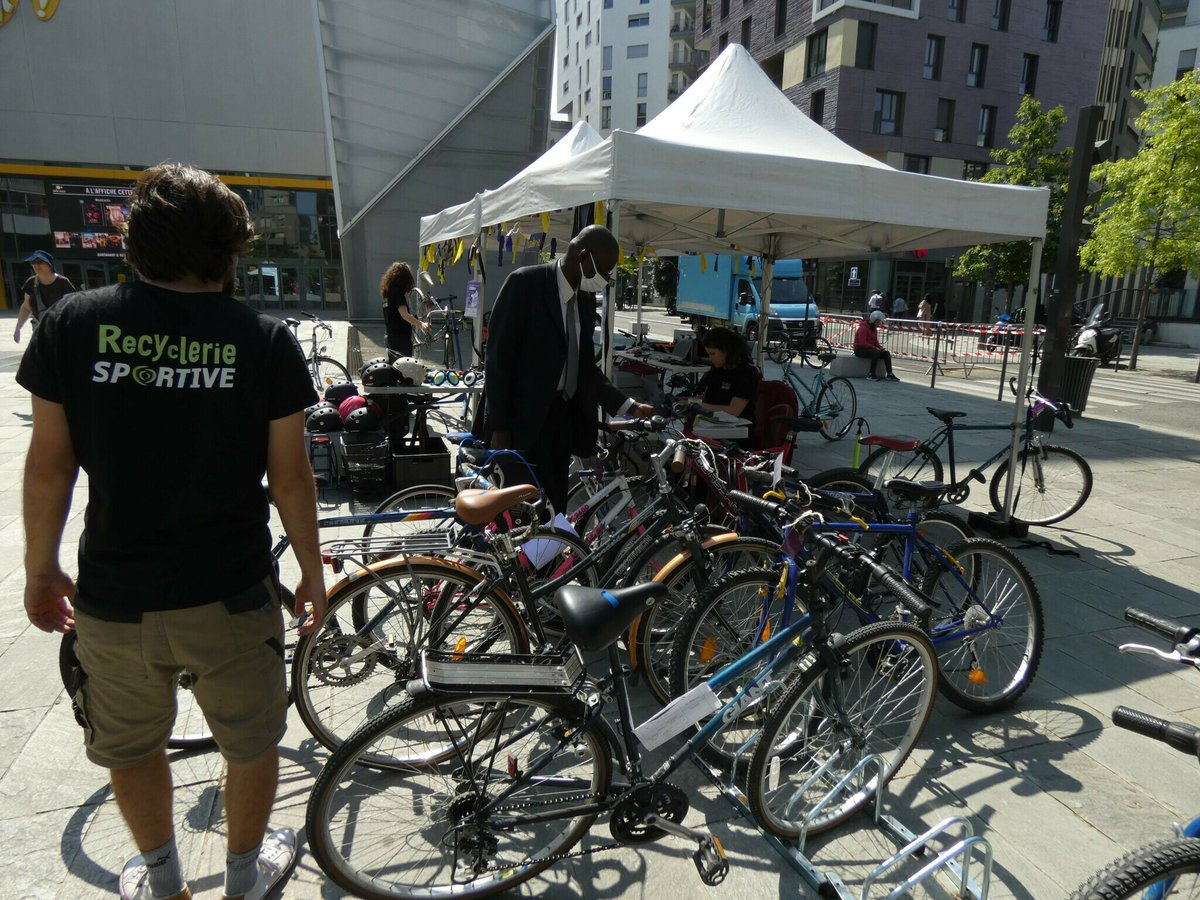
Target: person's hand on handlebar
column 640, row 410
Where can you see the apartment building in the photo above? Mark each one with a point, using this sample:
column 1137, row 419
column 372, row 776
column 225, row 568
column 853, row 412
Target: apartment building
column 620, row 62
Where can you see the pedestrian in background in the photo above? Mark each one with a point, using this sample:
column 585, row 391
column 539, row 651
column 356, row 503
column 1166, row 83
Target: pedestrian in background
column 41, row 290
column 867, row 345
column 176, row 570
column 925, row 308
column 401, row 303
column 899, row 308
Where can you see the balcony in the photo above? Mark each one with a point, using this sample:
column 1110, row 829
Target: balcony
column 682, row 62
column 673, row 94
column 685, row 33
column 684, row 4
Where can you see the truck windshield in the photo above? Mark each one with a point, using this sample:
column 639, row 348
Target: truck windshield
column 786, row 290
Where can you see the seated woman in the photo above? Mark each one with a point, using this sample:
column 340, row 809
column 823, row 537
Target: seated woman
column 867, row 346
column 732, row 382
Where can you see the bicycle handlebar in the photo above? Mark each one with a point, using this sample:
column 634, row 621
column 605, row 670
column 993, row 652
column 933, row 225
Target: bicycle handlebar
column 1039, row 402
column 1183, row 737
column 1176, row 632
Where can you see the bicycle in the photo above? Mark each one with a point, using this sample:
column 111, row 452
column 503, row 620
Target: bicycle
column 495, row 768
column 1167, row 867
column 325, row 370
column 445, row 325
column 1054, row 482
column 816, row 352
column 832, row 400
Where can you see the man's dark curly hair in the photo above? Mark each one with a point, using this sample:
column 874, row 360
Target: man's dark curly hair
column 185, row 221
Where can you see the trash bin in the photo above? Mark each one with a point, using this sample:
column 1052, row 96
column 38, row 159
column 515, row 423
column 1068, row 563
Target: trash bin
column 1078, row 372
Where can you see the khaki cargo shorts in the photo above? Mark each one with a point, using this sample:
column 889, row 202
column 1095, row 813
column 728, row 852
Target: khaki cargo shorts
column 235, row 660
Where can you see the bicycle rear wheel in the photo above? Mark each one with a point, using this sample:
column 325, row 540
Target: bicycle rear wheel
column 420, row 829
column 1054, row 483
column 413, row 499
column 883, row 464
column 836, row 407
column 325, row 371
column 1171, row 867
column 987, row 625
column 876, row 700
column 812, row 356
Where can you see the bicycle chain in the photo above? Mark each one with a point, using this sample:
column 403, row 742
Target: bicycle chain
column 571, row 854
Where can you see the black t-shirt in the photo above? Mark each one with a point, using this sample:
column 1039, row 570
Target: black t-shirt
column 399, row 331
column 43, row 296
column 168, row 398
column 720, row 386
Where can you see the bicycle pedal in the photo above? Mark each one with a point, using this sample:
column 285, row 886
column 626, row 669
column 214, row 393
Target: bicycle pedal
column 711, row 861
column 976, row 475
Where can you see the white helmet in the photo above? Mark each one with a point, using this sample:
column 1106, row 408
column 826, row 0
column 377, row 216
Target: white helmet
column 877, row 316
column 411, row 370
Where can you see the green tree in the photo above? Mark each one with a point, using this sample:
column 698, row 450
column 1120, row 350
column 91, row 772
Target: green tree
column 1148, row 213
column 1029, row 159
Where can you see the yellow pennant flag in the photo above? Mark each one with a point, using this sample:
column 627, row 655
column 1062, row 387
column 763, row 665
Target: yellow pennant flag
column 703, row 263
column 545, row 223
column 620, row 254
column 737, row 265
column 516, row 242
column 599, row 220
column 458, row 251
column 752, row 267
column 651, row 251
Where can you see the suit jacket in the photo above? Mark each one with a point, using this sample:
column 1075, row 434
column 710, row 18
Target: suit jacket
column 526, row 352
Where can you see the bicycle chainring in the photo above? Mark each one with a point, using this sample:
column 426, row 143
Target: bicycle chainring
column 328, row 663
column 627, row 821
column 958, row 494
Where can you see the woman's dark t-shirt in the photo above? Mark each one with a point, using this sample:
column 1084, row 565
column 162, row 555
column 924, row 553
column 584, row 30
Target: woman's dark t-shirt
column 720, row 386
column 168, row 398
column 399, row 331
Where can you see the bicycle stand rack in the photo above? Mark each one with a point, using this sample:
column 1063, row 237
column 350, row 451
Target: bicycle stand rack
column 954, row 860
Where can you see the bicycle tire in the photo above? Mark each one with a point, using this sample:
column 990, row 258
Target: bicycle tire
column 341, row 676
column 836, row 407
column 1135, row 873
column 811, row 356
column 325, row 371
column 778, row 351
column 189, row 731
column 416, row 497
column 655, row 633
column 987, row 671
column 882, row 464
column 359, row 819
column 888, row 673
column 1066, row 485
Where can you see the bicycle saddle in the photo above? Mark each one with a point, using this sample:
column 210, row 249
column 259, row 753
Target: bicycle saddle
column 474, row 456
column 594, row 617
column 826, row 357
column 481, row 507
column 902, row 445
column 292, row 323
column 944, row 415
column 919, row 491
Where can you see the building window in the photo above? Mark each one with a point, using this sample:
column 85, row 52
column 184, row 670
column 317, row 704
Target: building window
column 864, row 53
column 724, row 10
column 889, row 112
column 1050, row 27
column 587, row 39
column 977, row 68
column 606, row 117
column 639, row 21
column 956, row 11
column 606, row 87
column 706, row 17
column 643, row 78
column 641, row 114
column 608, row 4
column 746, row 32
column 780, row 17
column 567, row 61
column 1187, row 62
column 606, row 58
column 986, row 135
column 918, row 164
column 935, row 46
column 724, row 41
column 973, row 171
column 566, row 86
column 814, row 57
column 1000, row 15
column 587, row 96
column 816, row 107
column 943, row 130
column 1029, row 67
column 637, row 51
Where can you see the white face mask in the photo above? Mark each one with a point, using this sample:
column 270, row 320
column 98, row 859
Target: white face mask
column 592, row 283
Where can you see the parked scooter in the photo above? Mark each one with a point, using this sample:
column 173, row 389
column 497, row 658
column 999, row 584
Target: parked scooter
column 1098, row 337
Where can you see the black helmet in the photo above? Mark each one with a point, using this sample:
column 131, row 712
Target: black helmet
column 371, row 362
column 362, row 419
column 323, row 419
column 380, row 375
column 339, row 391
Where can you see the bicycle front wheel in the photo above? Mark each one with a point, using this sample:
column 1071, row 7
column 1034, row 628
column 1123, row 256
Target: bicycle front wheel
column 358, row 662
column 884, row 464
column 424, row 829
column 325, row 371
column 420, row 501
column 812, row 356
column 836, row 407
column 1170, row 867
column 1054, row 482
column 987, row 624
column 875, row 701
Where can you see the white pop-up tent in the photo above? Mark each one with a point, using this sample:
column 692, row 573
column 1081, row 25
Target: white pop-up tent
column 733, row 166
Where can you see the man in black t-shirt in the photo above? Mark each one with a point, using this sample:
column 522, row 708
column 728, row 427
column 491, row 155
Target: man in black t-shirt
column 176, row 400
column 41, row 290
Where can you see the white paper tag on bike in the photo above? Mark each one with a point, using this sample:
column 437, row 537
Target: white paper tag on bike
column 542, row 550
column 777, row 472
column 677, row 715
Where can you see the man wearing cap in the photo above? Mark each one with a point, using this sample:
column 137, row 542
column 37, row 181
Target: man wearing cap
column 41, row 290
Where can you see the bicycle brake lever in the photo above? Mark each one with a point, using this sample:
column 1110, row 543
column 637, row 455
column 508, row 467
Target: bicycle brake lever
column 1170, row 656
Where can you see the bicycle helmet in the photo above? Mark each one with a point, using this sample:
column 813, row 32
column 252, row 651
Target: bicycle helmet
column 411, row 371
column 349, row 405
column 339, row 391
column 362, row 419
column 380, row 375
column 309, row 410
column 323, row 419
column 371, row 362
column 877, row 316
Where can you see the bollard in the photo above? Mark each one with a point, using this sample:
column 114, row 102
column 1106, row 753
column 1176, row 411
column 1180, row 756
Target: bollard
column 937, row 343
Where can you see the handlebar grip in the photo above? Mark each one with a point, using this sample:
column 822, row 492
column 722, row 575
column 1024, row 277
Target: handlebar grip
column 752, row 502
column 1183, row 737
column 904, row 592
column 758, row 476
column 1064, row 415
column 678, row 458
column 1161, row 625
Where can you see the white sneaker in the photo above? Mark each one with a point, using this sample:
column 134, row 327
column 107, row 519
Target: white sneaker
column 275, row 860
column 135, row 881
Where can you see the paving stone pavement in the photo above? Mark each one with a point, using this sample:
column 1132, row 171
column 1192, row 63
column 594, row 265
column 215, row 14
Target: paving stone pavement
column 1053, row 786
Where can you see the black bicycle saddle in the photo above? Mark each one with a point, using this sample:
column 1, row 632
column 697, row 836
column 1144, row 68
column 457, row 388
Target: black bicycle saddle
column 944, row 415
column 595, row 617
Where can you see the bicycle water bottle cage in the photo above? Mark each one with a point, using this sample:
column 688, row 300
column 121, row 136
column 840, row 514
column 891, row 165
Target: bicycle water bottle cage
column 944, row 415
column 901, row 445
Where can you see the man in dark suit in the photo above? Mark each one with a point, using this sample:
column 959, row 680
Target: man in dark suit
column 541, row 396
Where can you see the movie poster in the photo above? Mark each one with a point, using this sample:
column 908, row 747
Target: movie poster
column 86, row 219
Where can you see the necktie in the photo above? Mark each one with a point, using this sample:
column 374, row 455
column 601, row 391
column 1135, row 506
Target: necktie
column 571, row 377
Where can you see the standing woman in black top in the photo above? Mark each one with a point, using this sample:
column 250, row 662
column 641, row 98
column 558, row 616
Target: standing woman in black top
column 399, row 291
column 730, row 385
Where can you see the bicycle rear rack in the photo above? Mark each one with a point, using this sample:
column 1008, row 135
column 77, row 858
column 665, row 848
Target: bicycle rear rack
column 381, row 546
column 954, row 859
